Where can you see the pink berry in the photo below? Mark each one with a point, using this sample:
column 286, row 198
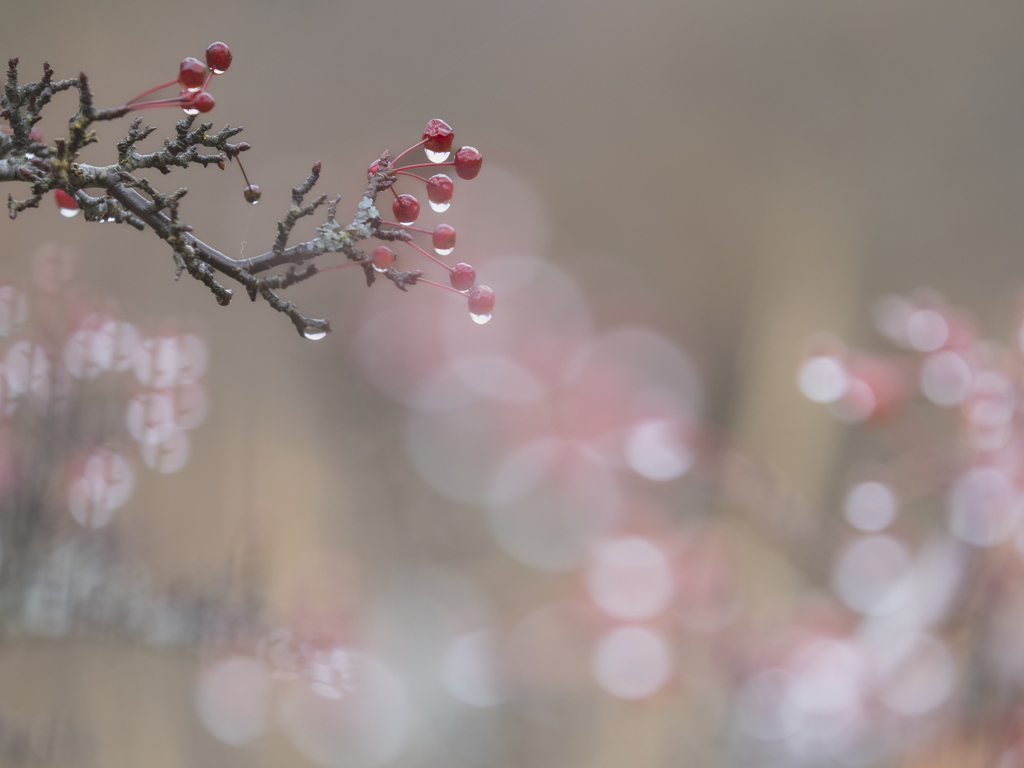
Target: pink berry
column 383, row 257
column 374, row 167
column 199, row 102
column 439, row 136
column 443, row 237
column 218, row 58
column 440, row 188
column 467, row 162
column 36, row 136
column 481, row 300
column 64, row 200
column 406, row 209
column 462, row 278
column 192, row 73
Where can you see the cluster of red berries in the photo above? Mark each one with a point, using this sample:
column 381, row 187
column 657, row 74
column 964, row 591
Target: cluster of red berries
column 193, row 80
column 437, row 141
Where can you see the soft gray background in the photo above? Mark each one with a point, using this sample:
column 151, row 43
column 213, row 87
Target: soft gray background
column 737, row 174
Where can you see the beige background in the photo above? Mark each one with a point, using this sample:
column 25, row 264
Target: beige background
column 737, row 174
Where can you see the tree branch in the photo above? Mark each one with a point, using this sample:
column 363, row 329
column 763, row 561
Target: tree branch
column 133, row 200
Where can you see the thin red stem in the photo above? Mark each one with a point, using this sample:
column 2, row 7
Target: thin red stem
column 342, row 266
column 422, row 165
column 248, row 185
column 408, row 226
column 392, row 188
column 439, row 285
column 403, row 173
column 410, row 149
column 151, row 90
column 429, row 256
column 176, row 102
column 209, row 77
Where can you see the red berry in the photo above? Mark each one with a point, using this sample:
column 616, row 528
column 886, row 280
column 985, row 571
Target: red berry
column 444, row 238
column 252, row 194
column 406, row 208
column 191, row 73
column 467, row 162
column 218, row 58
column 440, row 188
column 194, row 103
column 383, row 257
column 439, row 136
column 481, row 301
column 64, row 200
column 374, row 167
column 462, row 278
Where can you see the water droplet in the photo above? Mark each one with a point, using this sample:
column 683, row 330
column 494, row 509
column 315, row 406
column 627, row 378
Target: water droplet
column 69, row 213
column 29, row 156
column 444, row 251
column 378, row 269
column 407, row 223
column 254, row 201
column 195, row 90
column 313, row 334
column 190, row 111
column 439, row 207
column 436, row 157
column 480, row 319
column 219, row 71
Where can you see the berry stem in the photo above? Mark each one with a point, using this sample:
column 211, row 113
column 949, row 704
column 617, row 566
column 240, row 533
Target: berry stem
column 410, row 149
column 248, row 184
column 151, row 90
column 175, row 102
column 408, row 226
column 441, row 285
column 403, row 173
column 429, row 256
column 209, row 77
column 392, row 188
column 342, row 266
column 422, row 165
column 158, row 106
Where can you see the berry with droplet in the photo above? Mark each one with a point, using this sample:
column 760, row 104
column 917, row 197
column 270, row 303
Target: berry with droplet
column 481, row 303
column 191, row 73
column 65, row 202
column 443, row 238
column 467, row 162
column 462, row 278
column 218, row 58
column 438, row 136
column 383, row 257
column 252, row 194
column 440, row 189
column 406, row 209
column 194, row 103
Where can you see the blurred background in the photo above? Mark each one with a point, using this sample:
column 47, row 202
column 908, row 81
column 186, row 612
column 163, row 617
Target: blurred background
column 648, row 515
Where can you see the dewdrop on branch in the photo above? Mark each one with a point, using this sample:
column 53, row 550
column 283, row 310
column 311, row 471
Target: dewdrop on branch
column 120, row 194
